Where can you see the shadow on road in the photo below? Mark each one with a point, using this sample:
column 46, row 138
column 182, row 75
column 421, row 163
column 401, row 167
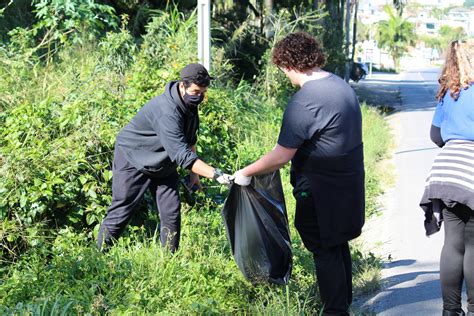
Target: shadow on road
column 422, row 291
column 386, row 94
column 399, row 263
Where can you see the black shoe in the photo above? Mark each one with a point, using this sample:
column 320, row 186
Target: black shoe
column 454, row 313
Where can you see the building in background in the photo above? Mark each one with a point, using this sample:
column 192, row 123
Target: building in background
column 440, row 3
column 371, row 12
column 460, row 17
column 428, row 18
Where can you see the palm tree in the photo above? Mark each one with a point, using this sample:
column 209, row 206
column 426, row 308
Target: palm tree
column 395, row 35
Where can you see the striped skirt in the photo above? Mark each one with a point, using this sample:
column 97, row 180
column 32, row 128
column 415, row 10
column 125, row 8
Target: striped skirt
column 451, row 181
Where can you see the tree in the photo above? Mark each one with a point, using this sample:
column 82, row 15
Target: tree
column 450, row 34
column 395, row 35
column 333, row 36
column 469, row 3
column 447, row 34
column 399, row 5
column 439, row 13
column 364, row 31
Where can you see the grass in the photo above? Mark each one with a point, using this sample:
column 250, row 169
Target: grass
column 68, row 276
column 377, row 142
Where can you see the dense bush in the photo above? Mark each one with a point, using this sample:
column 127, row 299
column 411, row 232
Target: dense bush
column 59, row 130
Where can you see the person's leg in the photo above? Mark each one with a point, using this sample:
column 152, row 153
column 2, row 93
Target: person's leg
column 469, row 261
column 128, row 187
column 332, row 280
column 346, row 257
column 333, row 264
column 169, row 207
column 451, row 263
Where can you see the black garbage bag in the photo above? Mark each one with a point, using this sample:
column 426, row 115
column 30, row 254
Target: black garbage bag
column 257, row 228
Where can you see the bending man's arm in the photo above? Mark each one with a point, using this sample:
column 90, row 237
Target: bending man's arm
column 203, row 169
column 173, row 140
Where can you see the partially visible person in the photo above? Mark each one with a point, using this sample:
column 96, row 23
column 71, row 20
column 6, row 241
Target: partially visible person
column 321, row 134
column 449, row 191
column 148, row 150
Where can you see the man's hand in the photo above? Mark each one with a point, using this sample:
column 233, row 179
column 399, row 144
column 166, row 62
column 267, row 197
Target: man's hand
column 194, row 180
column 225, row 179
column 222, row 178
column 241, row 180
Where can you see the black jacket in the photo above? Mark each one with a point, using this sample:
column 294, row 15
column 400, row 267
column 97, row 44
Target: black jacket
column 160, row 135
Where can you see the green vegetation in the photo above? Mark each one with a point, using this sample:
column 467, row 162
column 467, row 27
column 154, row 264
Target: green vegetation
column 376, row 144
column 63, row 101
column 447, row 34
column 395, row 35
column 469, row 3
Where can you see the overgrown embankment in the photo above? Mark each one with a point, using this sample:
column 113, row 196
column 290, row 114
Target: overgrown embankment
column 59, row 119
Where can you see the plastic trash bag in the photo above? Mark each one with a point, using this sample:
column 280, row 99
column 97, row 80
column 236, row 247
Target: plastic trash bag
column 257, row 228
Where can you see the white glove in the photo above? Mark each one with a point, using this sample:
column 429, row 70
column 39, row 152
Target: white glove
column 241, row 180
column 222, row 178
column 225, row 179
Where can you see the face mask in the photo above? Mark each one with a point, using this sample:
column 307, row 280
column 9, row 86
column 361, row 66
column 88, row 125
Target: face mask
column 192, row 100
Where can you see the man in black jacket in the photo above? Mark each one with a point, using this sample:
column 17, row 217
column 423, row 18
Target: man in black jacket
column 160, row 137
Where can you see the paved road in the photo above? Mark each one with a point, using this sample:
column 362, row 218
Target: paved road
column 411, row 279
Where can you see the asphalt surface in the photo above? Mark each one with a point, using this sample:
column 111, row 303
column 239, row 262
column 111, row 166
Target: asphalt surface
column 410, row 278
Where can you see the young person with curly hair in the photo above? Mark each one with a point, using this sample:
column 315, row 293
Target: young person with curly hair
column 321, row 134
column 449, row 191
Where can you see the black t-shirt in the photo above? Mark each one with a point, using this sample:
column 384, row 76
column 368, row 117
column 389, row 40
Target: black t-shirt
column 323, row 119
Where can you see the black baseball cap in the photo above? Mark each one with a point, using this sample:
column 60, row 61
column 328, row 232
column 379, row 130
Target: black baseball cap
column 195, row 72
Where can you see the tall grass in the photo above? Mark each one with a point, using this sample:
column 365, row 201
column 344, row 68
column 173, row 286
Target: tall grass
column 377, row 142
column 138, row 277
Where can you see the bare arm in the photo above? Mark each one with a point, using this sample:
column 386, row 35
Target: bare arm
column 203, row 169
column 273, row 160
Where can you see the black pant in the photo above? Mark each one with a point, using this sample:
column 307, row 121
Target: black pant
column 457, row 257
column 128, row 188
column 333, row 263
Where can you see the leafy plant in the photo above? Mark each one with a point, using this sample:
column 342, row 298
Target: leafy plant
column 447, row 34
column 63, row 17
column 395, row 35
column 118, row 49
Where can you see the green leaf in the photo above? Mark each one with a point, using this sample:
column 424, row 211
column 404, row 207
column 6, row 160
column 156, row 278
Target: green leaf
column 92, row 193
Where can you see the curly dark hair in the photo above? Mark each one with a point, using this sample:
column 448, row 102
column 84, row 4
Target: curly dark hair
column 298, row 51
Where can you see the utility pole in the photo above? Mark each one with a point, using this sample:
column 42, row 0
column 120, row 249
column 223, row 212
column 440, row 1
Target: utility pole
column 354, row 30
column 347, row 29
column 204, row 33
